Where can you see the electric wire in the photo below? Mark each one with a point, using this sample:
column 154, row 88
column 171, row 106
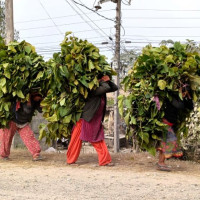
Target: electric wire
column 93, row 11
column 50, row 18
column 97, row 30
column 157, row 27
column 92, row 21
column 41, row 27
column 161, row 10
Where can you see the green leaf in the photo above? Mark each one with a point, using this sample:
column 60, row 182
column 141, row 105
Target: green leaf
column 4, row 89
column 11, row 48
column 160, row 123
column 84, row 82
column 152, row 151
column 133, row 120
column 68, row 58
column 120, row 104
column 64, row 111
column 95, row 55
column 90, row 65
column 27, row 49
column 6, row 107
column 53, row 118
column 144, row 136
column 91, row 85
column 74, row 90
column 40, row 74
column 67, row 119
column 42, row 131
column 5, row 65
column 62, row 102
column 161, row 84
column 126, row 118
column 20, row 94
column 169, row 59
column 2, row 82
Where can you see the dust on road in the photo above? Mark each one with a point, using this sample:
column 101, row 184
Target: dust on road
column 134, row 176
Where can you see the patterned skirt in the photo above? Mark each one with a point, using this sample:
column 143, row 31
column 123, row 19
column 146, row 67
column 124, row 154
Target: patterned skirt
column 169, row 145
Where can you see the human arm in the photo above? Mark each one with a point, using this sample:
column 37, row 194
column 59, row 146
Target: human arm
column 105, row 86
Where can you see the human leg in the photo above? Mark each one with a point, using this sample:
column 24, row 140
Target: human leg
column 161, row 159
column 103, row 153
column 6, row 139
column 75, row 144
column 30, row 141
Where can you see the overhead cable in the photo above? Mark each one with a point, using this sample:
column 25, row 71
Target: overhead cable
column 35, row 20
column 93, row 11
column 50, row 18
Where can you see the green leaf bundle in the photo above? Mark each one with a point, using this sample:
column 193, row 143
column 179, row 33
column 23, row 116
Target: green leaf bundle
column 75, row 73
column 159, row 72
column 21, row 70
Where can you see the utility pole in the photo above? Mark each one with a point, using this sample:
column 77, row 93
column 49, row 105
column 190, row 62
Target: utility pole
column 9, row 21
column 117, row 68
column 9, row 31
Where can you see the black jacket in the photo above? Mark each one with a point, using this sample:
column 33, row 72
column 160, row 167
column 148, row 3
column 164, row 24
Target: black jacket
column 172, row 108
column 94, row 100
column 25, row 113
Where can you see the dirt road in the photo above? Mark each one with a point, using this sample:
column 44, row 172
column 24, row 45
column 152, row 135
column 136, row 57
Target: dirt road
column 133, row 177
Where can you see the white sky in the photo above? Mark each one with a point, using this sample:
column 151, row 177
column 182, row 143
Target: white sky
column 43, row 23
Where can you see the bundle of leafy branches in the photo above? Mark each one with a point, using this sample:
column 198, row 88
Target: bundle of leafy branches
column 158, row 74
column 75, row 73
column 21, row 70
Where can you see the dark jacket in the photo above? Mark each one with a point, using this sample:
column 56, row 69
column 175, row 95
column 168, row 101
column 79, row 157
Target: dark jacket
column 94, row 100
column 25, row 113
column 172, row 108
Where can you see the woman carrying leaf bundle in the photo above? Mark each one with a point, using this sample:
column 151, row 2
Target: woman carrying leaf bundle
column 89, row 127
column 169, row 146
column 22, row 115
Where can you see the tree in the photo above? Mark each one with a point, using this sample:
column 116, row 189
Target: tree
column 2, row 22
column 127, row 59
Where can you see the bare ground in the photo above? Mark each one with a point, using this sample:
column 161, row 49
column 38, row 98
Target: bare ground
column 134, row 176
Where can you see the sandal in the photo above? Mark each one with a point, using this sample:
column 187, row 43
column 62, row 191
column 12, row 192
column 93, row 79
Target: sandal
column 38, row 158
column 163, row 168
column 72, row 164
column 4, row 158
column 109, row 165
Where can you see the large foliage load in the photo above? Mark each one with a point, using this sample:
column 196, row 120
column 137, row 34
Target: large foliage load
column 191, row 143
column 21, row 70
column 74, row 74
column 158, row 73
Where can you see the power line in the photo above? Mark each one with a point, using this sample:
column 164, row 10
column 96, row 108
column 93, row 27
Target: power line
column 181, row 36
column 109, row 28
column 50, row 18
column 161, row 27
column 25, row 29
column 139, row 17
column 93, row 11
column 59, row 34
column 89, row 39
column 41, row 27
column 161, row 10
column 161, row 18
column 35, row 20
column 92, row 21
column 97, row 30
